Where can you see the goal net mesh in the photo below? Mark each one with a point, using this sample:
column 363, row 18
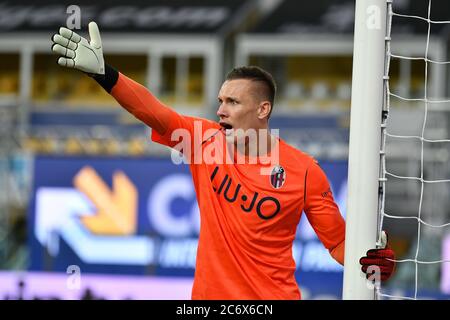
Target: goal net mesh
column 415, row 152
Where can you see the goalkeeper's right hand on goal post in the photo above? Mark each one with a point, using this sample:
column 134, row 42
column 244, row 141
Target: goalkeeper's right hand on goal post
column 79, row 53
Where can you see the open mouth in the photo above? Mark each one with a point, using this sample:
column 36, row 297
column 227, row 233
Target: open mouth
column 226, row 126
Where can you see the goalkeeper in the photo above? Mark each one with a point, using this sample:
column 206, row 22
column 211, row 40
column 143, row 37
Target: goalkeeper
column 248, row 220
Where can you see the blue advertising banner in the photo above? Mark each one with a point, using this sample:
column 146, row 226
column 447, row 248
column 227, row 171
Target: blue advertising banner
column 139, row 216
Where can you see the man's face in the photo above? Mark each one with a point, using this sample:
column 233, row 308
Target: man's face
column 239, row 107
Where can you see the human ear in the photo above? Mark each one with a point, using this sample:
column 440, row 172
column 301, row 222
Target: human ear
column 264, row 109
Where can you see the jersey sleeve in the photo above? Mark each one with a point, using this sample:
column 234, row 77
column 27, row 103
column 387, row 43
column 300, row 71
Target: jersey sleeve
column 322, row 211
column 140, row 102
column 168, row 127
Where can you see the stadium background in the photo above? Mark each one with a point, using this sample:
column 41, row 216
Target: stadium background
column 54, row 122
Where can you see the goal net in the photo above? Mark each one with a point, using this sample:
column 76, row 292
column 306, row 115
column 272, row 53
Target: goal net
column 415, row 150
column 399, row 150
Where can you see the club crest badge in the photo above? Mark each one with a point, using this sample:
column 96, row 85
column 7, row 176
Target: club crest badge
column 277, row 177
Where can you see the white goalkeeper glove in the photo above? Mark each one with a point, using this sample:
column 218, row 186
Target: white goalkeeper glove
column 76, row 52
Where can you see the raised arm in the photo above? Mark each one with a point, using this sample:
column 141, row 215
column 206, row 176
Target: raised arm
column 136, row 99
column 87, row 56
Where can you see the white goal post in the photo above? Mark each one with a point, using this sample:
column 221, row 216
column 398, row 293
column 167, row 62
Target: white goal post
column 364, row 145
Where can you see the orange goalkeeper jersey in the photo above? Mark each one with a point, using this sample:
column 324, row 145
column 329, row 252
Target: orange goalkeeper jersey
column 248, row 220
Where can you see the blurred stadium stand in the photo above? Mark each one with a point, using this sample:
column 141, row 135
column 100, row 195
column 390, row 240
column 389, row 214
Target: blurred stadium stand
column 181, row 50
